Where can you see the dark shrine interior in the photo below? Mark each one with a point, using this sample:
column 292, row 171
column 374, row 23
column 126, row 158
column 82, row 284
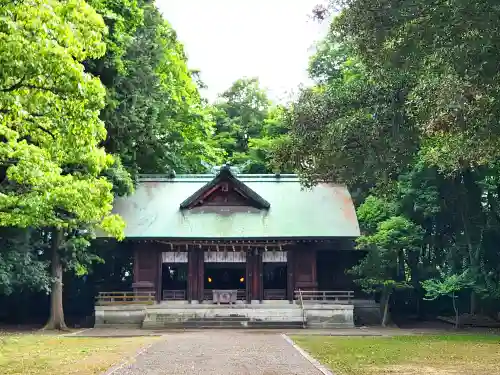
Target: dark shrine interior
column 274, row 276
column 225, row 276
column 174, row 276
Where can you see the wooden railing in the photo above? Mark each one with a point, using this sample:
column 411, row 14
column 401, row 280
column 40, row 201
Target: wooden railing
column 274, row 294
column 174, row 295
column 125, row 298
column 326, row 296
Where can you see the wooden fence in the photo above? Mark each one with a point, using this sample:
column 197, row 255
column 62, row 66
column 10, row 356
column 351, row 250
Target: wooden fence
column 324, row 296
column 125, row 298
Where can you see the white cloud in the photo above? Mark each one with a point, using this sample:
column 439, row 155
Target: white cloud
column 230, row 39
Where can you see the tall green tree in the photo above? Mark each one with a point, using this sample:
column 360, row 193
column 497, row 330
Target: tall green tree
column 154, row 115
column 248, row 126
column 404, row 110
column 449, row 52
column 393, row 243
column 49, row 123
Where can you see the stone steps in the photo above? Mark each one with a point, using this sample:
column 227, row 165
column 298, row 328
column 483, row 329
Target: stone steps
column 233, row 324
column 210, row 317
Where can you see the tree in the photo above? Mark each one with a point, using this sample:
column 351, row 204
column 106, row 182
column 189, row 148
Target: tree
column 352, row 121
column 448, row 51
column 448, row 285
column 248, row 126
column 154, row 116
column 242, row 111
column 20, row 267
column 391, row 242
column 404, row 111
column 49, row 123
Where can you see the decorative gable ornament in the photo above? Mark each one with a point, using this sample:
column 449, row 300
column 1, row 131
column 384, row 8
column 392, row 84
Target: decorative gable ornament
column 225, row 190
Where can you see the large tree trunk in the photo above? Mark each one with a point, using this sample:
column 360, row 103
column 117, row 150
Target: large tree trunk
column 386, row 297
column 473, row 302
column 455, row 308
column 56, row 319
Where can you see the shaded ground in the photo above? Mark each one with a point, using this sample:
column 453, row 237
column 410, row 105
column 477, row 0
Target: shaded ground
column 50, row 354
column 406, row 355
column 222, row 352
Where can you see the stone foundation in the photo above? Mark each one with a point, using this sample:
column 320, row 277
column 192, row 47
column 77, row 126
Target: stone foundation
column 125, row 316
column 265, row 315
column 329, row 316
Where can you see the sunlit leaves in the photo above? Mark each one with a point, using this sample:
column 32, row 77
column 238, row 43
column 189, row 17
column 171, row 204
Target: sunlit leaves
column 154, row 115
column 248, row 127
column 49, row 116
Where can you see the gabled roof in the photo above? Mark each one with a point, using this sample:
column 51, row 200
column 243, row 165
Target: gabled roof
column 288, row 211
column 253, row 199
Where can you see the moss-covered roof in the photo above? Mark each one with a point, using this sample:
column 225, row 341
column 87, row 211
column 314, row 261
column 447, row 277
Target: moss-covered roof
column 154, row 210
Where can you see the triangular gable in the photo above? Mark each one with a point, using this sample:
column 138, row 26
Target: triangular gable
column 225, row 189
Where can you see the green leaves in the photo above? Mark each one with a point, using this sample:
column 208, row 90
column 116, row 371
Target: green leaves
column 394, row 233
column 447, row 51
column 248, row 128
column 405, row 112
column 21, row 267
column 448, row 285
column 154, row 115
column 390, row 241
column 49, row 116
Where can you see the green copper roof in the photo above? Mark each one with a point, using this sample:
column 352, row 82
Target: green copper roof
column 153, row 211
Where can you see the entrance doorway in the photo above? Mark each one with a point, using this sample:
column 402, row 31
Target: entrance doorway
column 275, row 281
column 174, row 281
column 225, row 276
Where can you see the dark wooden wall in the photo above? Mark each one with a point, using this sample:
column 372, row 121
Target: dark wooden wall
column 147, row 269
column 332, row 267
column 304, row 268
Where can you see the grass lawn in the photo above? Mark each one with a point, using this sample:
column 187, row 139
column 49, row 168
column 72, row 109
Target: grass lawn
column 406, row 355
column 30, row 354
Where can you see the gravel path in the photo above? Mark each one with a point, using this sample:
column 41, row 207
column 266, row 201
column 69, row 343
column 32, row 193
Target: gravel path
column 220, row 353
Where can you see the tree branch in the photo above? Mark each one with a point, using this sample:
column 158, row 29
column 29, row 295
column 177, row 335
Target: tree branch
column 53, row 90
column 15, row 86
column 46, row 131
column 21, row 85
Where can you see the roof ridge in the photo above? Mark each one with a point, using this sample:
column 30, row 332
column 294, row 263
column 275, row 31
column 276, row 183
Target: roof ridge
column 168, row 177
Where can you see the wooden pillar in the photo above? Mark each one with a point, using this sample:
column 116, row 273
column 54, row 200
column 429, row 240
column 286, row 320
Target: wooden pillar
column 200, row 273
column 249, row 275
column 254, row 263
column 290, row 287
column 259, row 271
column 192, row 279
column 159, row 277
column 314, row 268
column 136, row 265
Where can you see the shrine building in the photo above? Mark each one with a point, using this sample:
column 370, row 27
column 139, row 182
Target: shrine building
column 260, row 238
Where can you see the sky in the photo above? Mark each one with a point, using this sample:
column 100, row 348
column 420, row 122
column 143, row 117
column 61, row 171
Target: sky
column 230, row 39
